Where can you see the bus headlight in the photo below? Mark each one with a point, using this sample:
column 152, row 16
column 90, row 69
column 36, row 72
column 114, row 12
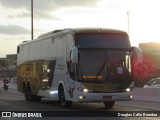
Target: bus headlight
column 128, row 90
column 45, row 80
column 84, row 90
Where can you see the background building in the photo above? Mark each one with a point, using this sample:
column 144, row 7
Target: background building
column 150, row 68
column 151, row 54
column 8, row 66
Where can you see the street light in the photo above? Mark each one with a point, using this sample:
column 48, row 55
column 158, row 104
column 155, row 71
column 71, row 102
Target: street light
column 128, row 21
column 32, row 19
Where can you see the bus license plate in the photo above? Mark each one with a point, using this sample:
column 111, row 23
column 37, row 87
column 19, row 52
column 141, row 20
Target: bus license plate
column 107, row 97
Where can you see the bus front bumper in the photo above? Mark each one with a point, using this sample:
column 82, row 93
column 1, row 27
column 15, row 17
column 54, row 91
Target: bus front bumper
column 101, row 97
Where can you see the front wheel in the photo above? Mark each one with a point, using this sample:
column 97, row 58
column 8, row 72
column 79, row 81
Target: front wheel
column 62, row 99
column 109, row 104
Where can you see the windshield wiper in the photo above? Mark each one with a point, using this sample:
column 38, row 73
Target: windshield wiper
column 103, row 65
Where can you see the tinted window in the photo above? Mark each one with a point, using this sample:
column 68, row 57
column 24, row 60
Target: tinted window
column 97, row 64
column 107, row 40
column 154, row 81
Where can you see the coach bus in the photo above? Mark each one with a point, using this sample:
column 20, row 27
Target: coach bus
column 76, row 65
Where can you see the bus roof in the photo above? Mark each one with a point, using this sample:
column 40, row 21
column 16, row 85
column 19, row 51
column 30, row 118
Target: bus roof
column 75, row 30
column 83, row 30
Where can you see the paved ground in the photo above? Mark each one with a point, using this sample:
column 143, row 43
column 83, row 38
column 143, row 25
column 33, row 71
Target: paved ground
column 147, row 94
column 143, row 94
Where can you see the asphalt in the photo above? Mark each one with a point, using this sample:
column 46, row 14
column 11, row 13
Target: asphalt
column 141, row 94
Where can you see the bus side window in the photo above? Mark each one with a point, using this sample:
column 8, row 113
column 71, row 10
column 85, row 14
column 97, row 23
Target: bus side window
column 51, row 67
column 18, row 49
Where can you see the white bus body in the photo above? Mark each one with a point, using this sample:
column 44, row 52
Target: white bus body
column 74, row 65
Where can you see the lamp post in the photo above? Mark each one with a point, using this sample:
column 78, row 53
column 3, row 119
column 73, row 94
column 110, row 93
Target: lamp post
column 31, row 19
column 128, row 21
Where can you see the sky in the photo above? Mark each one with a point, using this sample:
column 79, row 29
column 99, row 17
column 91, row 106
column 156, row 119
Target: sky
column 141, row 16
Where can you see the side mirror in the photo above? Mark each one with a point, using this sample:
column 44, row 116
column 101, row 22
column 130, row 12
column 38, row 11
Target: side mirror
column 137, row 54
column 74, row 55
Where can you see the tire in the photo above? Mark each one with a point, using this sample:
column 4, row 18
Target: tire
column 36, row 98
column 27, row 94
column 62, row 100
column 29, row 97
column 109, row 104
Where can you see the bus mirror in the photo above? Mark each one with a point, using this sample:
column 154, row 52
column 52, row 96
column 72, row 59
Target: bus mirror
column 74, row 55
column 137, row 54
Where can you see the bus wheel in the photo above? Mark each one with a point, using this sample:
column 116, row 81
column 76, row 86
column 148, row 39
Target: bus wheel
column 62, row 100
column 109, row 104
column 27, row 94
column 30, row 97
column 36, row 98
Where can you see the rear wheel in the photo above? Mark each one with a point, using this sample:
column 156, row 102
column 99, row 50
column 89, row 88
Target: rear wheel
column 62, row 99
column 36, row 98
column 27, row 94
column 109, row 104
column 29, row 97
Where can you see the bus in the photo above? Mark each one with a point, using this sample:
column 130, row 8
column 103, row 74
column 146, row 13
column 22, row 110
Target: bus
column 76, row 65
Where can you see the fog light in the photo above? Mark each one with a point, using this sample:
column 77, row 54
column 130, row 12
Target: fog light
column 130, row 96
column 81, row 97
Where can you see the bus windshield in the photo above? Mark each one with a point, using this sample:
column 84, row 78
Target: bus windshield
column 103, row 56
column 103, row 65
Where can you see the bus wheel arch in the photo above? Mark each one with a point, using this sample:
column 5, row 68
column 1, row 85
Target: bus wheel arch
column 61, row 95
